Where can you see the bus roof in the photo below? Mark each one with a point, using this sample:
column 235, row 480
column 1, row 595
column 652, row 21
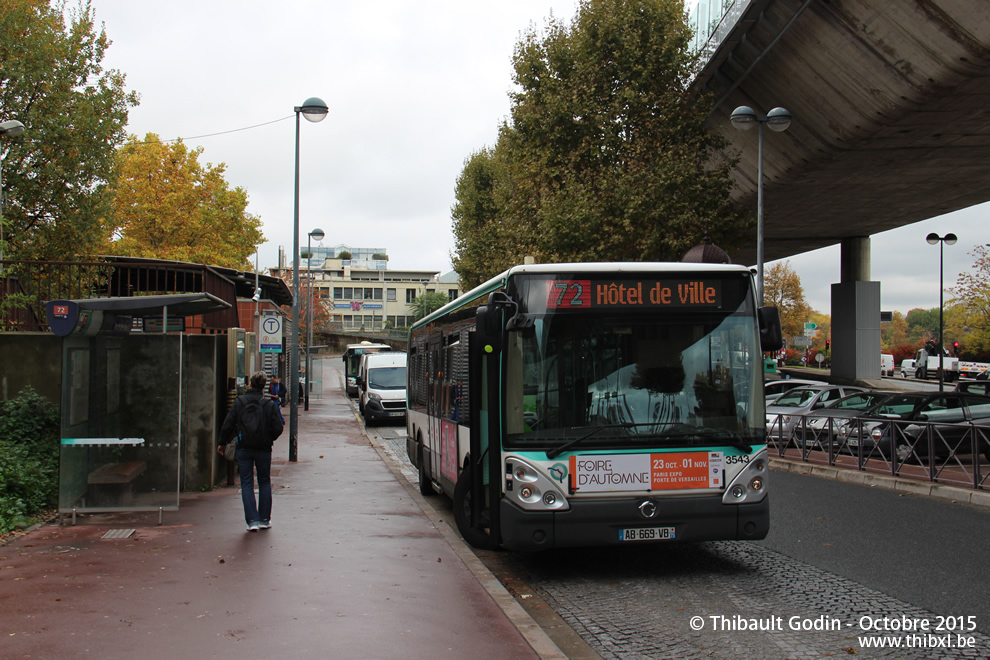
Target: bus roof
column 499, row 280
column 366, row 344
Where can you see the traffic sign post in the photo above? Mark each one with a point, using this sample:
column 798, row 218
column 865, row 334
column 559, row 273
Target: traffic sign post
column 271, row 334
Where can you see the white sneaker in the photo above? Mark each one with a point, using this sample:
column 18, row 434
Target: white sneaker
column 253, row 527
column 265, row 524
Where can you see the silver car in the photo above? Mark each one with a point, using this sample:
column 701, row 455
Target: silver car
column 822, row 425
column 785, row 413
column 774, row 388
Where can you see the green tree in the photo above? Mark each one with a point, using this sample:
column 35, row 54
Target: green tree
column 167, row 205
column 481, row 247
column 606, row 155
column 428, row 303
column 29, row 445
column 973, row 294
column 782, row 289
column 56, row 175
column 922, row 325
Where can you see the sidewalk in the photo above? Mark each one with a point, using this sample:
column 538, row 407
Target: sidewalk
column 352, row 568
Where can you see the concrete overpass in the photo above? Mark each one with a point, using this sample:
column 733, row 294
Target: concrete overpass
column 891, row 125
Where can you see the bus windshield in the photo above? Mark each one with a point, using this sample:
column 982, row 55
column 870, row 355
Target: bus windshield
column 594, row 381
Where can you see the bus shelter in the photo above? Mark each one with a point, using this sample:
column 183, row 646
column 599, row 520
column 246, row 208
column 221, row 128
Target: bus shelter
column 122, row 399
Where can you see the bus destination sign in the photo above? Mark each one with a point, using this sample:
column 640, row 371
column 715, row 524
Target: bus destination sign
column 576, row 295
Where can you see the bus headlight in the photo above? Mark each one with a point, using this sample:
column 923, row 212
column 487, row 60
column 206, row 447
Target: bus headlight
column 531, row 489
column 750, row 484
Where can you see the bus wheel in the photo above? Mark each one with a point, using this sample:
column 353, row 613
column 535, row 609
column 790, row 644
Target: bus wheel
column 462, row 514
column 425, row 487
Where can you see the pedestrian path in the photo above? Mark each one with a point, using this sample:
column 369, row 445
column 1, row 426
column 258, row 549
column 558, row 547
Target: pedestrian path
column 352, row 568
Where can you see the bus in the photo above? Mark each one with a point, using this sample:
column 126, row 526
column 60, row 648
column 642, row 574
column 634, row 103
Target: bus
column 563, row 405
column 352, row 360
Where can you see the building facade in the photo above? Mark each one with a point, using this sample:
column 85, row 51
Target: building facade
column 362, row 293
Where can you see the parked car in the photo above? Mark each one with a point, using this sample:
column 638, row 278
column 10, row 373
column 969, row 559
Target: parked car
column 774, row 388
column 981, row 386
column 899, row 425
column 786, row 411
column 822, row 425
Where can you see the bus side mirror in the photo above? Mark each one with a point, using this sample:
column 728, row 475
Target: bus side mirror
column 771, row 333
column 487, row 328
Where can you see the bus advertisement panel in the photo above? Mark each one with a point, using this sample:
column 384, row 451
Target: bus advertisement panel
column 595, row 404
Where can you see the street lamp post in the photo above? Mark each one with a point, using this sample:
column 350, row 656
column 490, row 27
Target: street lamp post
column 314, row 110
column 932, row 239
column 318, row 235
column 12, row 128
column 778, row 120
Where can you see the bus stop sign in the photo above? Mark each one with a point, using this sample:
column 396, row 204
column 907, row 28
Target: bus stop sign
column 271, row 334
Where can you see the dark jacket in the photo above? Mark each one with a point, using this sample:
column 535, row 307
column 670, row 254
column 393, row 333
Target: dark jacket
column 277, row 390
column 228, row 431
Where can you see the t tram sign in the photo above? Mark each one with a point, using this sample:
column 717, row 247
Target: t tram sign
column 576, row 295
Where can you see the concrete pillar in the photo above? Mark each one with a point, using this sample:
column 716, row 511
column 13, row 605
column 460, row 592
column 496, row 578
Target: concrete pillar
column 855, row 316
column 855, row 259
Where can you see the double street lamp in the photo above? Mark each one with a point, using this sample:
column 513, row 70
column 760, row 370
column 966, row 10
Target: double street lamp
column 778, row 120
column 314, row 110
column 11, row 128
column 948, row 239
column 318, row 235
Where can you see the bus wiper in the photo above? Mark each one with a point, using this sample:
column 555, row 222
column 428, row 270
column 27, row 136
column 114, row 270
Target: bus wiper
column 557, row 451
column 706, row 432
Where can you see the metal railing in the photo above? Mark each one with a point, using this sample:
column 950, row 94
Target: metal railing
column 956, row 454
column 26, row 286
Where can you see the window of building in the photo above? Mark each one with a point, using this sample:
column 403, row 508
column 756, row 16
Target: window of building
column 390, row 295
column 410, row 295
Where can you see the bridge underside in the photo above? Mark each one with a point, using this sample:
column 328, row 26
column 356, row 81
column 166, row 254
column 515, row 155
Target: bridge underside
column 891, row 114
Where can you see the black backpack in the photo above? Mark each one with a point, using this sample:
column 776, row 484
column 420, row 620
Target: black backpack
column 252, row 423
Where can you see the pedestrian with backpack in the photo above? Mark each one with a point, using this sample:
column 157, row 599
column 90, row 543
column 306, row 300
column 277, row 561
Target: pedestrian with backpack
column 254, row 423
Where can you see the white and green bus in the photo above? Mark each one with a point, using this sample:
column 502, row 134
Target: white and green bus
column 593, row 404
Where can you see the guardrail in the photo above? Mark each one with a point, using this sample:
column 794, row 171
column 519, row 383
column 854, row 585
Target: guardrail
column 956, row 454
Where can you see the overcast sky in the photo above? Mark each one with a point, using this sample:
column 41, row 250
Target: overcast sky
column 414, row 88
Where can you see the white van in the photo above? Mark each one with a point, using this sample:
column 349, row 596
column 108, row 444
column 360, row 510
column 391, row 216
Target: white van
column 886, row 364
column 382, row 384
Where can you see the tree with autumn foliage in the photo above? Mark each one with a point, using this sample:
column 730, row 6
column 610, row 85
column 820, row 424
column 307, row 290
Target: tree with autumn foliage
column 323, row 317
column 167, row 205
column 973, row 295
column 894, row 333
column 56, row 174
column 782, row 289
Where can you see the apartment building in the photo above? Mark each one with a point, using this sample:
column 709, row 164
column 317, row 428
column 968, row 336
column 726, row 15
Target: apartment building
column 363, row 293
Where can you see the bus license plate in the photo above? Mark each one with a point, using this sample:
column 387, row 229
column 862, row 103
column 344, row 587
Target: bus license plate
column 647, row 534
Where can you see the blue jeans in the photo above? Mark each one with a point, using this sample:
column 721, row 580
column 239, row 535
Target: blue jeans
column 247, row 461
